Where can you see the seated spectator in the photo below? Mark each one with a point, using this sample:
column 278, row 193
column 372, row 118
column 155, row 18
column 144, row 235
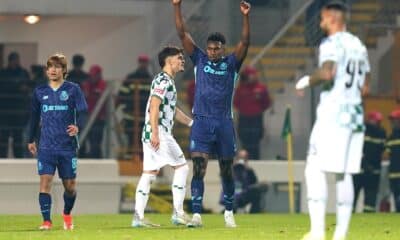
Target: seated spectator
column 93, row 89
column 77, row 75
column 247, row 188
column 251, row 100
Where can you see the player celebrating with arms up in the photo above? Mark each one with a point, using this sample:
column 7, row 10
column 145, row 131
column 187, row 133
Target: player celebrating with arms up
column 60, row 107
column 343, row 68
column 213, row 130
column 159, row 146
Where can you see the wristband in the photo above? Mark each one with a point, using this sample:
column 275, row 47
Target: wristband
column 303, row 82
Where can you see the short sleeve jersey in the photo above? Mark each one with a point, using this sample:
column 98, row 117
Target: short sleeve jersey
column 57, row 110
column 215, row 83
column 352, row 64
column 163, row 87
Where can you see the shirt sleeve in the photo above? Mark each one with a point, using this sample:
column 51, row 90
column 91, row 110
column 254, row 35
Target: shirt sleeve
column 80, row 101
column 366, row 60
column 160, row 88
column 236, row 65
column 197, row 55
column 328, row 51
column 35, row 117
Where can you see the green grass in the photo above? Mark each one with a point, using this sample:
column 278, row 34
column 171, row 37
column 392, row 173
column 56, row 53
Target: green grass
column 266, row 226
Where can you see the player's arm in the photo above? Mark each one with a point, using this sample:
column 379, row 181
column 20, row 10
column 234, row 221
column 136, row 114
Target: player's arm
column 183, row 118
column 155, row 103
column 33, row 124
column 325, row 73
column 81, row 111
column 365, row 87
column 243, row 45
column 186, row 39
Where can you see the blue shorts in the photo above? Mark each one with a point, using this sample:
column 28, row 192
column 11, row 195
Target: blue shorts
column 213, row 136
column 64, row 161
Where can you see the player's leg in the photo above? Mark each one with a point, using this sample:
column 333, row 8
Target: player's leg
column 226, row 148
column 46, row 165
column 317, row 195
column 69, row 197
column 45, row 200
column 67, row 167
column 200, row 161
column 344, row 204
column 149, row 174
column 179, row 193
column 202, row 138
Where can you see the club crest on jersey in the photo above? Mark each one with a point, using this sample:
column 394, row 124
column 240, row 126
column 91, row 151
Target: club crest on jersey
column 64, row 96
column 223, row 66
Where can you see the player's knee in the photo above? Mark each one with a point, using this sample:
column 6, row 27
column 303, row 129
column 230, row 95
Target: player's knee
column 199, row 167
column 184, row 169
column 226, row 168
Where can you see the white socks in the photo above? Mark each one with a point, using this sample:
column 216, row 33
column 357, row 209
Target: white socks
column 142, row 193
column 179, row 188
column 317, row 195
column 344, row 204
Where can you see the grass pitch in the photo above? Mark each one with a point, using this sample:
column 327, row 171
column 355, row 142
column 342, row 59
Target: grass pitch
column 263, row 226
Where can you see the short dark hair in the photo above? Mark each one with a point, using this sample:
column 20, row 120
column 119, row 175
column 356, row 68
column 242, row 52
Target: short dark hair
column 168, row 51
column 216, row 37
column 336, row 5
column 78, row 60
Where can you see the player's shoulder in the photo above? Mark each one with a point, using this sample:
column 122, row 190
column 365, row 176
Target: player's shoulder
column 162, row 78
column 70, row 84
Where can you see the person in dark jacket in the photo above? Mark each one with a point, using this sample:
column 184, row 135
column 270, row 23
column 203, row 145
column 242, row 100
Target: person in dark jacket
column 393, row 147
column 374, row 146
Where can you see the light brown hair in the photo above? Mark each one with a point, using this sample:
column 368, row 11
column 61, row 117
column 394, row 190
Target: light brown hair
column 58, row 59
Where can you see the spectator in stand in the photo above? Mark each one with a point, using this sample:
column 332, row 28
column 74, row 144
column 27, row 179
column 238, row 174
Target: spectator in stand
column 143, row 77
column 77, row 75
column 251, row 100
column 93, row 89
column 247, row 188
column 14, row 99
column 374, row 146
column 190, row 93
column 393, row 146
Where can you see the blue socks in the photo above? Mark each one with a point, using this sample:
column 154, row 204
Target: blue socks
column 69, row 201
column 228, row 187
column 45, row 205
column 197, row 188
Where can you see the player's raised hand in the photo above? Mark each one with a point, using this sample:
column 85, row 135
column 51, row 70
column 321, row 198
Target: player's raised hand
column 176, row 2
column 32, row 148
column 72, row 130
column 244, row 7
column 155, row 141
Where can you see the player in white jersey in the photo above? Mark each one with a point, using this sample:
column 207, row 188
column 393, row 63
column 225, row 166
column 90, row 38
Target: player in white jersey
column 337, row 136
column 159, row 146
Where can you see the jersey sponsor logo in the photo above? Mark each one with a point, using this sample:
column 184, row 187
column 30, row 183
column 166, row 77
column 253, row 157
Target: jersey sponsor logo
column 45, row 97
column 208, row 69
column 64, row 96
column 159, row 91
column 46, row 108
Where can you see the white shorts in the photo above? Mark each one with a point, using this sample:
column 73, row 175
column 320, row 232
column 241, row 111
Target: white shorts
column 334, row 148
column 169, row 153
